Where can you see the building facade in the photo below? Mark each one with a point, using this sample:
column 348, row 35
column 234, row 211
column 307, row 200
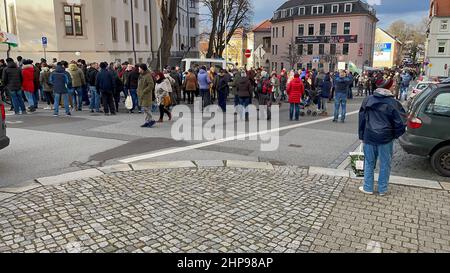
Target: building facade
column 100, row 30
column 323, row 33
column 388, row 50
column 438, row 40
column 259, row 41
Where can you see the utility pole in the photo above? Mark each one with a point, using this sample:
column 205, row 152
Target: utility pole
column 226, row 29
column 7, row 27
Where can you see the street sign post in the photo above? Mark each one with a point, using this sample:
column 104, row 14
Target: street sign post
column 44, row 45
column 248, row 53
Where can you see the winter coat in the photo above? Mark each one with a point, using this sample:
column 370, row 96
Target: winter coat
column 162, row 89
column 28, row 78
column 77, row 76
column 37, row 73
column 222, row 86
column 244, row 87
column 44, row 80
column 295, row 90
column 342, row 85
column 145, row 89
column 235, row 83
column 276, row 85
column 91, row 76
column 283, row 83
column 59, row 79
column 325, row 87
column 190, row 82
column 203, row 80
column 12, row 77
column 105, row 82
column 406, row 79
column 133, row 79
column 381, row 118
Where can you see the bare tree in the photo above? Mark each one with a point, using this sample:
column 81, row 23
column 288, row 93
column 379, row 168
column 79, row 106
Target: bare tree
column 294, row 56
column 412, row 36
column 168, row 9
column 225, row 17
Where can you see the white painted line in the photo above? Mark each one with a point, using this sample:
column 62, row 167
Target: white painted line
column 218, row 141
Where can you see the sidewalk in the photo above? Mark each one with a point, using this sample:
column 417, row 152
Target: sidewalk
column 215, row 206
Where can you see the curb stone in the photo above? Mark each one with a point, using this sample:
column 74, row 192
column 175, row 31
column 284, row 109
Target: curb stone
column 29, row 185
column 59, row 179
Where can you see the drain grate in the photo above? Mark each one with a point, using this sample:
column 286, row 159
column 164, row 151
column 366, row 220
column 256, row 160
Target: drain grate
column 295, row 146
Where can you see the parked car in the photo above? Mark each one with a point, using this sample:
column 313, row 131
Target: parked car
column 420, row 86
column 428, row 132
column 4, row 140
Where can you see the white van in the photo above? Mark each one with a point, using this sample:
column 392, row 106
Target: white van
column 187, row 64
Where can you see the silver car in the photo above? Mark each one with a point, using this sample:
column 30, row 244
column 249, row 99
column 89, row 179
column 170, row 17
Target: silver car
column 4, row 140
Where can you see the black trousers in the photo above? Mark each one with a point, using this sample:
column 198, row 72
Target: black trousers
column 190, row 96
column 108, row 102
column 162, row 110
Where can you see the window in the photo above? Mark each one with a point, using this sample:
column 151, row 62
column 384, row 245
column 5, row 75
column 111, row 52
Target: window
column 321, row 49
column 322, row 29
column 277, row 32
column 348, row 7
column 442, row 47
column 345, row 49
column 138, row 37
column 346, row 28
column 114, row 29
column 301, row 30
column 145, row 5
column 73, row 20
column 127, row 31
column 193, row 42
column 295, row 11
column 444, row 25
column 192, row 2
column 440, row 105
column 317, row 10
column 302, row 11
column 332, row 49
column 300, row 50
column 273, row 32
column 289, row 12
column 276, row 49
column 136, row 4
column 335, row 9
column 146, row 34
column 192, row 22
column 333, row 28
column 311, row 29
column 282, row 32
column 310, row 49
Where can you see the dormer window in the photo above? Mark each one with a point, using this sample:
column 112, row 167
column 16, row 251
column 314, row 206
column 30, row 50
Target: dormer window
column 335, row 8
column 295, row 11
column 302, row 11
column 348, row 7
column 317, row 10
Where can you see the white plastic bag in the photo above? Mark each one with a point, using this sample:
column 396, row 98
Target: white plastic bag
column 129, row 102
column 357, row 161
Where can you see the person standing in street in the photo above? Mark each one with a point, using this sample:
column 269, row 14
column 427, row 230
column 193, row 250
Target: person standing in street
column 325, row 93
column 132, row 85
column 78, row 81
column 146, row 85
column 223, row 89
column 405, row 82
column 60, row 82
column 44, row 79
column 28, row 83
column 91, row 77
column 163, row 89
column 342, row 84
column 203, row 83
column 295, row 91
column 12, row 80
column 190, row 85
column 381, row 121
column 105, row 84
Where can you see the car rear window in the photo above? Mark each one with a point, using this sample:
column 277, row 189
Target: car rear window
column 440, row 105
column 422, row 95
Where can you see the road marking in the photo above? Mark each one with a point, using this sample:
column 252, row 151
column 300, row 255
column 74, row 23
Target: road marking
column 14, row 122
column 218, row 141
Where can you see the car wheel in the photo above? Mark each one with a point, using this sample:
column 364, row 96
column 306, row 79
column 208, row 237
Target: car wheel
column 441, row 161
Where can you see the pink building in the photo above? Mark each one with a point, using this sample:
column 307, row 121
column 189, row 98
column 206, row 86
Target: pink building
column 322, row 33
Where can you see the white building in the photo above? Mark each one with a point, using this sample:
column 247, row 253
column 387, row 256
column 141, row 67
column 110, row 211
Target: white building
column 100, row 30
column 438, row 40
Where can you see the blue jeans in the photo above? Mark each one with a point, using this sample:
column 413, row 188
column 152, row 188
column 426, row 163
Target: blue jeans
column 95, row 99
column 294, row 107
column 340, row 100
column 372, row 153
column 65, row 97
column 236, row 100
column 206, row 97
column 244, row 102
column 17, row 101
column 36, row 95
column 134, row 97
column 403, row 92
column 78, row 91
column 30, row 98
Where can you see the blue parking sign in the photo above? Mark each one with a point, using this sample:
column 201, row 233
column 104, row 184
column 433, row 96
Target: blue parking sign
column 44, row 41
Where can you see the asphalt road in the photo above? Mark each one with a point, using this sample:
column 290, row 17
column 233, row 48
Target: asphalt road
column 43, row 145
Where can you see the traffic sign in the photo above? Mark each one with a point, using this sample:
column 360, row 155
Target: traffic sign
column 248, row 53
column 44, row 41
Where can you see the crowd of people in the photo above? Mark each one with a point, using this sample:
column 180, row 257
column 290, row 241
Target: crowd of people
column 76, row 84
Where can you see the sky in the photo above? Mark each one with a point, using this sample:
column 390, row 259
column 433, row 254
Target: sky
column 388, row 11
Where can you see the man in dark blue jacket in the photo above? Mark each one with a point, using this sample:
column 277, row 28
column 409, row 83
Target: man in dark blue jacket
column 381, row 121
column 342, row 84
column 60, row 80
column 106, row 85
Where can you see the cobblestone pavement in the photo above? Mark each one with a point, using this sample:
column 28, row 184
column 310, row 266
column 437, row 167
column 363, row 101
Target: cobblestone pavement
column 221, row 210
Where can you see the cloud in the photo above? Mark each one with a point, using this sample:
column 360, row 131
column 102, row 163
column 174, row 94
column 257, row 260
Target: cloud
column 374, row 2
